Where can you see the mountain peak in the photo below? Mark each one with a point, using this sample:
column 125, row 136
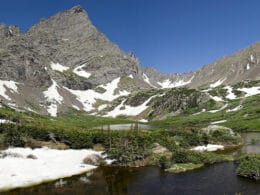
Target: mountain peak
column 77, row 9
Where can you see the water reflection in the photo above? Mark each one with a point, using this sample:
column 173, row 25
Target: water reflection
column 131, row 126
column 216, row 179
column 251, row 143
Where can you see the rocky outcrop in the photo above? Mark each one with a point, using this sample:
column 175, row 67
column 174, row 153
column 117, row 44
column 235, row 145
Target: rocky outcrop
column 93, row 159
column 176, row 101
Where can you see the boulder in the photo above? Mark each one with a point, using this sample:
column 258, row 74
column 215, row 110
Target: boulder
column 31, row 156
column 94, row 159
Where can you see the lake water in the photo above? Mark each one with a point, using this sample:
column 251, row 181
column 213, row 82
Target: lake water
column 131, row 126
column 215, row 179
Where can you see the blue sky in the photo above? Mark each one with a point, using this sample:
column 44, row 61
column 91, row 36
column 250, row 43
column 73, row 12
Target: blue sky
column 169, row 35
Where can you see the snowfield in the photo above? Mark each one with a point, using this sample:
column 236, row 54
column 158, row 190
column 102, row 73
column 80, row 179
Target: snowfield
column 147, row 80
column 17, row 170
column 230, row 94
column 54, row 98
column 235, row 109
column 222, row 108
column 216, row 98
column 5, row 121
column 58, row 67
column 4, row 85
column 218, row 122
column 127, row 110
column 80, row 72
column 168, row 84
column 209, row 147
column 217, row 83
column 250, row 91
column 89, row 97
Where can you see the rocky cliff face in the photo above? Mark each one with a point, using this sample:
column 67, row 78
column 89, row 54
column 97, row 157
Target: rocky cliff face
column 65, row 62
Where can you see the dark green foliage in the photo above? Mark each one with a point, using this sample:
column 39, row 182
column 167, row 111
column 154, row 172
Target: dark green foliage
column 12, row 136
column 218, row 91
column 177, row 99
column 140, row 97
column 249, row 166
column 165, row 162
column 189, row 156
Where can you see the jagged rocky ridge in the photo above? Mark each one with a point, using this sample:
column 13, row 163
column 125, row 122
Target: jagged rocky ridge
column 64, row 62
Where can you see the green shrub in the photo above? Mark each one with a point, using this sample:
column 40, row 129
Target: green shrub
column 249, row 166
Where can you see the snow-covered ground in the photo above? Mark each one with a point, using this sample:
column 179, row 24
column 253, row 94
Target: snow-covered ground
column 169, row 84
column 147, row 80
column 235, row 109
column 54, row 98
column 143, row 120
column 230, row 94
column 127, row 110
column 58, row 67
column 88, row 97
column 217, row 83
column 19, row 171
column 218, row 122
column 250, row 91
column 4, row 85
column 82, row 73
column 5, row 121
column 209, row 147
column 222, row 108
column 216, row 98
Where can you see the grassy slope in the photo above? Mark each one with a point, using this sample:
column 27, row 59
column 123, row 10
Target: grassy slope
column 69, row 121
column 246, row 119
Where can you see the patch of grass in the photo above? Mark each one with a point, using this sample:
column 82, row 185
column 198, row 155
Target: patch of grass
column 183, row 167
column 249, row 166
column 245, row 119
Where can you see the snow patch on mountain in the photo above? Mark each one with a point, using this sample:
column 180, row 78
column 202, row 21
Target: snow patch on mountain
column 131, row 76
column 5, row 121
column 80, row 72
column 235, row 109
column 222, row 108
column 58, row 67
column 54, row 98
column 230, row 94
column 217, row 83
column 102, row 107
column 216, row 98
column 127, row 110
column 248, row 66
column 252, row 58
column 5, row 85
column 88, row 97
column 169, row 84
column 218, row 122
column 209, row 147
column 250, row 91
column 147, row 80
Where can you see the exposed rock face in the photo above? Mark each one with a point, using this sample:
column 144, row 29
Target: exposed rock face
column 70, row 39
column 49, row 68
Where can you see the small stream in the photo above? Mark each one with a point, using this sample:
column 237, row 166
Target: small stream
column 215, row 179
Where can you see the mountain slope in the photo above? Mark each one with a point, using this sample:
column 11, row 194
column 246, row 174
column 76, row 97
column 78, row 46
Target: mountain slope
column 64, row 62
